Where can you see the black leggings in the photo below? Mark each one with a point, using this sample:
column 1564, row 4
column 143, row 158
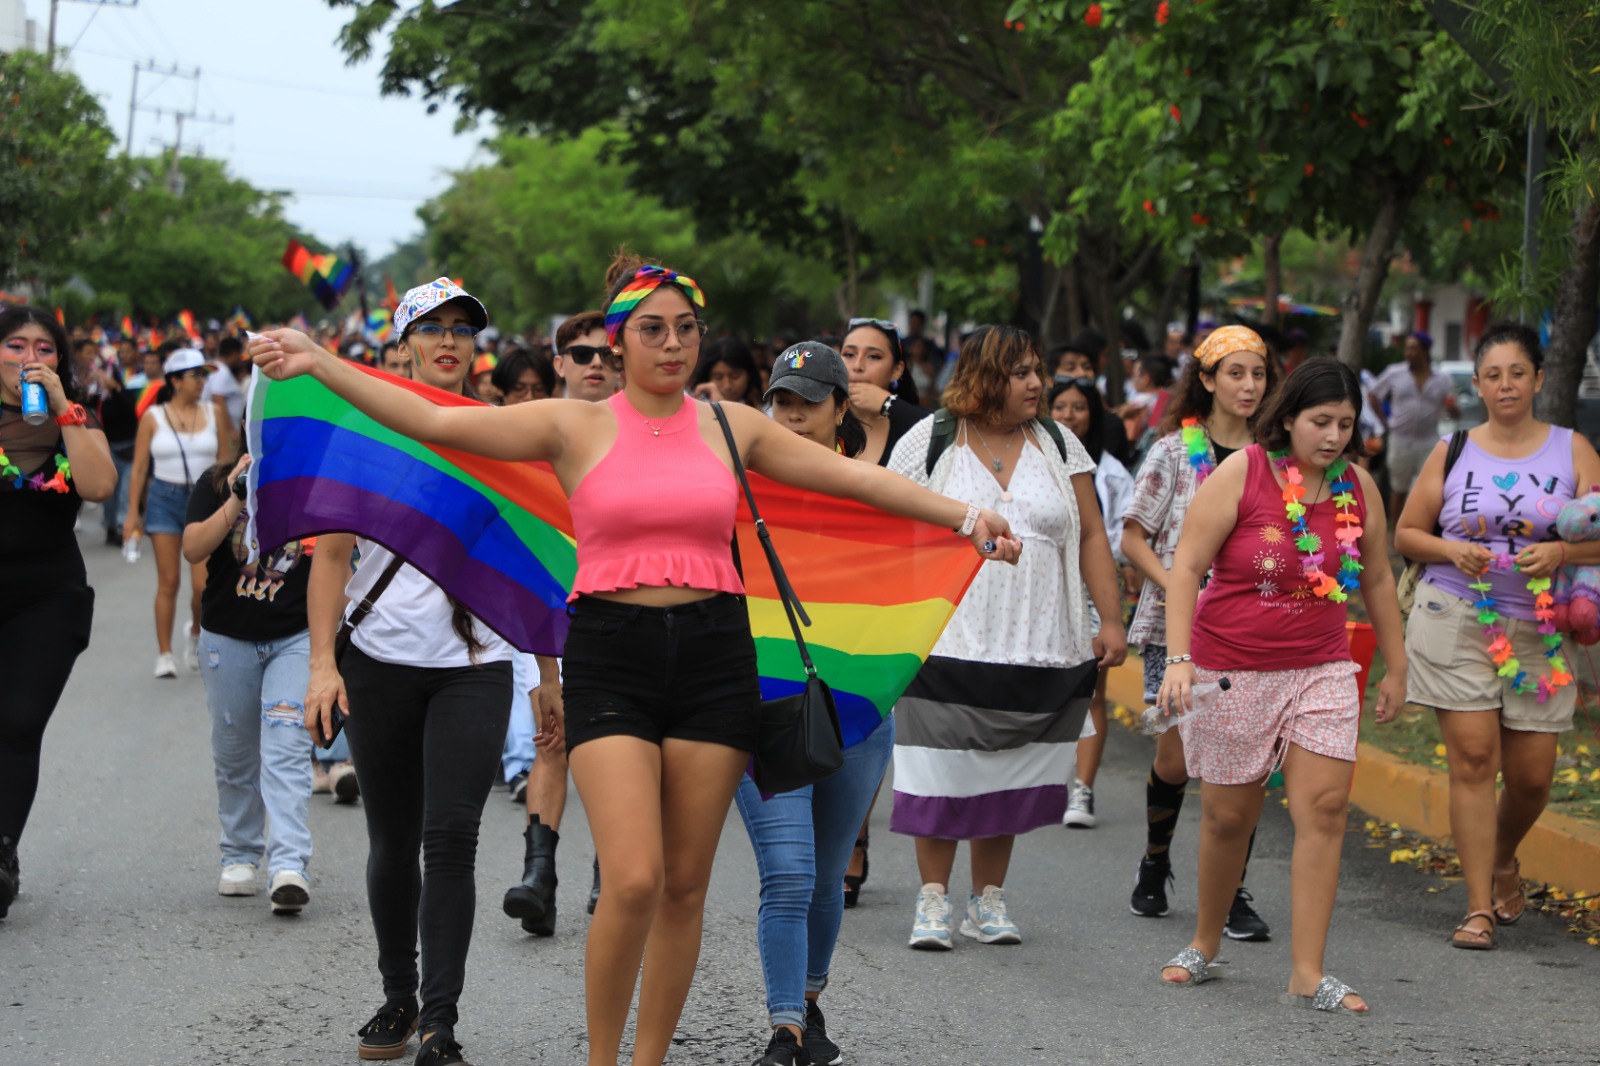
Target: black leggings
column 43, row 634
column 426, row 745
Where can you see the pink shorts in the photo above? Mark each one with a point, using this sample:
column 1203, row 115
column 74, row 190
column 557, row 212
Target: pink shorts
column 1248, row 733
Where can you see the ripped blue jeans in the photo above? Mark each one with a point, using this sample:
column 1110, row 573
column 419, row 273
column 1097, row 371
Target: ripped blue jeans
column 259, row 747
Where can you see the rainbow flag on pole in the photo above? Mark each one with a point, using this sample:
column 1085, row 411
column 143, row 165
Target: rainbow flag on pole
column 327, row 276
column 498, row 536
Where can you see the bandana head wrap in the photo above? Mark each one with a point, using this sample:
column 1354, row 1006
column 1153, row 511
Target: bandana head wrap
column 646, row 280
column 1227, row 340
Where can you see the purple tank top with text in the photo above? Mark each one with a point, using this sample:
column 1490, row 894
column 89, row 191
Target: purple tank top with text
column 1504, row 505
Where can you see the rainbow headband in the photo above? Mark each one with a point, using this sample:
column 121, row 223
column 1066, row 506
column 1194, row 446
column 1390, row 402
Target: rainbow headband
column 646, row 280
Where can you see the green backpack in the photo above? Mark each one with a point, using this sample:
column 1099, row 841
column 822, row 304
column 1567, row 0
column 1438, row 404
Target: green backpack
column 944, row 431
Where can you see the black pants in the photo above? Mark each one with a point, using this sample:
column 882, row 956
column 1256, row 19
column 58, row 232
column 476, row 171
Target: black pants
column 426, row 746
column 43, row 628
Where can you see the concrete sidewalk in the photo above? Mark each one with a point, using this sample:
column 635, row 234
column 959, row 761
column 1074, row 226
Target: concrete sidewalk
column 1558, row 850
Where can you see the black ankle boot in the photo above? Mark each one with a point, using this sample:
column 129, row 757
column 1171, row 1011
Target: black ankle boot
column 10, row 875
column 534, row 899
column 594, row 890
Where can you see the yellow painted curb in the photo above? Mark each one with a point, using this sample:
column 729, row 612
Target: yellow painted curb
column 1560, row 850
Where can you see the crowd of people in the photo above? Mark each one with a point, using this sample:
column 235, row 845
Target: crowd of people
column 1228, row 500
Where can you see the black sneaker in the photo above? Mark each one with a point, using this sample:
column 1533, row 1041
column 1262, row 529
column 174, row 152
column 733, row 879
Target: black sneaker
column 1150, row 893
column 386, row 1035
column 1243, row 921
column 439, row 1048
column 518, row 788
column 818, row 1048
column 783, row 1050
column 10, row 875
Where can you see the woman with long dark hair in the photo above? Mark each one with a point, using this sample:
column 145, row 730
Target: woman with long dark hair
column 661, row 686
column 1231, row 376
column 179, row 438
column 728, row 366
column 1281, row 533
column 882, row 392
column 49, row 464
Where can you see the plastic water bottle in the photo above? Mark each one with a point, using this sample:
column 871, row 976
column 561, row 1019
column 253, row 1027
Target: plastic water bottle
column 1203, row 699
column 130, row 549
column 35, row 408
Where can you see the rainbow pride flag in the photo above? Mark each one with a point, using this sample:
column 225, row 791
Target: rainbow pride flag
column 327, row 276
column 498, row 536
column 147, row 398
column 186, row 320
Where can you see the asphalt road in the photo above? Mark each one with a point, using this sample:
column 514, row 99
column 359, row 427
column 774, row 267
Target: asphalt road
column 121, row 952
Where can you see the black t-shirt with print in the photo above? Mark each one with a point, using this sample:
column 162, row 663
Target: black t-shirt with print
column 265, row 600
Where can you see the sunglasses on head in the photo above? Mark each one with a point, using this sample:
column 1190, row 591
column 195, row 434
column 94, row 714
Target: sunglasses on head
column 880, row 323
column 1082, row 383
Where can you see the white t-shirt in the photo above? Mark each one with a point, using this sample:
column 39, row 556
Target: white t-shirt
column 221, row 382
column 410, row 623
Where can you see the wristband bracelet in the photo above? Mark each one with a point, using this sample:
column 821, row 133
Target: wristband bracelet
column 970, row 522
column 1174, row 660
column 888, row 403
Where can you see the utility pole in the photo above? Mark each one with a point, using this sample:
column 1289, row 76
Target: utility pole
column 50, row 39
column 171, row 71
column 174, row 177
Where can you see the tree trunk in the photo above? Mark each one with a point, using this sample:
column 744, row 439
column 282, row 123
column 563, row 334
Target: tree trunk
column 1272, row 271
column 1074, row 295
column 1575, row 318
column 1362, row 299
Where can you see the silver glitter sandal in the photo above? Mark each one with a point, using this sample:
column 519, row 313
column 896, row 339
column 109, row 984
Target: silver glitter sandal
column 1199, row 968
column 1329, row 996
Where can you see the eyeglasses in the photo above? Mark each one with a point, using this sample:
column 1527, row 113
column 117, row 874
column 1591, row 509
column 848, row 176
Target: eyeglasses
column 584, row 354
column 192, row 372
column 881, row 323
column 1082, row 383
column 434, row 330
column 654, row 334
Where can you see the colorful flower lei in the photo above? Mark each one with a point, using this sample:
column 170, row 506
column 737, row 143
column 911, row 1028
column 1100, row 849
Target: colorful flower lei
column 1347, row 529
column 1500, row 649
column 38, row 482
column 1198, row 445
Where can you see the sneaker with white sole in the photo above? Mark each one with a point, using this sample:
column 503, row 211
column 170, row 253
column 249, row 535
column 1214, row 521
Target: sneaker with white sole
column 290, row 892
column 238, row 879
column 166, row 665
column 343, row 784
column 191, row 654
column 987, row 921
column 931, row 930
column 1080, row 807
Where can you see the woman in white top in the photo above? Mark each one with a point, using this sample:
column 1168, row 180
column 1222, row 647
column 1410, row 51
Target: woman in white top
column 177, row 442
column 1077, row 405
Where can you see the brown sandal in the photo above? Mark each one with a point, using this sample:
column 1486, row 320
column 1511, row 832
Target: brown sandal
column 1481, row 939
column 1502, row 907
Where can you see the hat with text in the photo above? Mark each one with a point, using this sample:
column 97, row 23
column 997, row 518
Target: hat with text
column 432, row 296
column 811, row 370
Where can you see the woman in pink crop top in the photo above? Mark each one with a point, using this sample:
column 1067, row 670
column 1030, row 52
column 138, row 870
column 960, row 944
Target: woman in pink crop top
column 1282, row 526
column 661, row 687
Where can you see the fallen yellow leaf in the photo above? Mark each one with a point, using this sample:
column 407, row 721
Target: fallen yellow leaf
column 1440, row 750
column 1402, row 855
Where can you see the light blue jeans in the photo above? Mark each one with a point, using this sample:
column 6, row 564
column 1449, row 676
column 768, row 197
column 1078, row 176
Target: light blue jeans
column 518, row 752
column 115, row 509
column 803, row 840
column 259, row 747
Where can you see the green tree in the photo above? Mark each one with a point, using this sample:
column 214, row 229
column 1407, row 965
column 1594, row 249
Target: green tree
column 57, row 177
column 217, row 246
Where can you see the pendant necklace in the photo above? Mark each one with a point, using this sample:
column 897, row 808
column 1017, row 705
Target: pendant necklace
column 655, row 430
column 996, row 464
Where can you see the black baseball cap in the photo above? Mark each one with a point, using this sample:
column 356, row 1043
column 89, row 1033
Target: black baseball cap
column 811, row 370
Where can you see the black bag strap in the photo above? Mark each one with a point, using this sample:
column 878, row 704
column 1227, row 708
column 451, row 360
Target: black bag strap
column 1458, row 441
column 370, row 600
column 944, row 432
column 791, row 602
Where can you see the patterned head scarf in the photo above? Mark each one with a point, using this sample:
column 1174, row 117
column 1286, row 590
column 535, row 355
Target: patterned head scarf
column 1227, row 340
column 646, row 280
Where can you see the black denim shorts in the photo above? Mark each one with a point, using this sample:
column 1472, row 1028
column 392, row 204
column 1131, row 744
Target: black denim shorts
column 656, row 672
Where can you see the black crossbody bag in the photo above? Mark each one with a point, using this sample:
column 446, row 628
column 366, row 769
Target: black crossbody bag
column 800, row 742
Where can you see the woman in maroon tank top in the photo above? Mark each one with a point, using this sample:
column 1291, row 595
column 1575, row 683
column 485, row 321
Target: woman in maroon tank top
column 656, row 748
column 1282, row 526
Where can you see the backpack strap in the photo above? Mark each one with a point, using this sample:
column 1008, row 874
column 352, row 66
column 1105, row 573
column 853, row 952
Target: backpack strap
column 944, row 431
column 1054, row 431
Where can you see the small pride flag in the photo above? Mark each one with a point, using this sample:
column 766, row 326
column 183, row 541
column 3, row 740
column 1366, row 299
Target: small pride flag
column 498, row 536
column 147, row 398
column 327, row 276
column 186, row 320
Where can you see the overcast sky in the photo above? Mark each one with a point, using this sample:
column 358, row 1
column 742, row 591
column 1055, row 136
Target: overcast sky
column 358, row 164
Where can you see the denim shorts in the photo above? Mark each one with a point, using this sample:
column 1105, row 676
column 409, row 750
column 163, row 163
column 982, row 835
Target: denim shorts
column 165, row 510
column 656, row 672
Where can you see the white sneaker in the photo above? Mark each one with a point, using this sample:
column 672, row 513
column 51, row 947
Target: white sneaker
column 192, row 653
column 238, row 879
column 1080, row 807
column 290, row 892
column 986, row 920
column 166, row 666
column 931, row 930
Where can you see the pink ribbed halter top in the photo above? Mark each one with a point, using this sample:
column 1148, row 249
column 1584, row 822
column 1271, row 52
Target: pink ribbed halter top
column 657, row 510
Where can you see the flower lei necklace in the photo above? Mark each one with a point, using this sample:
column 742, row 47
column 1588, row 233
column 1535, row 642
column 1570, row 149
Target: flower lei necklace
column 1500, row 649
column 1347, row 529
column 38, row 482
column 1198, row 444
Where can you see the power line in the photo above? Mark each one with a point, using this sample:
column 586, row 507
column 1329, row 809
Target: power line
column 170, row 71
column 50, row 39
